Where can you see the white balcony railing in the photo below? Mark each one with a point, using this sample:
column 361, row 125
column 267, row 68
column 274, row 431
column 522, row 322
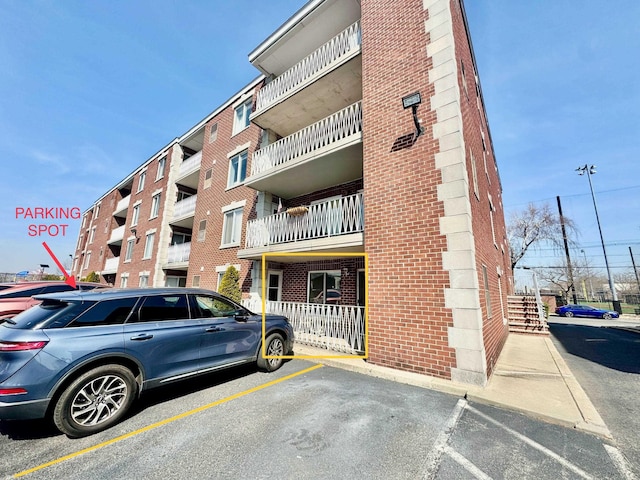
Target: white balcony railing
column 184, row 208
column 111, row 265
column 123, row 204
column 327, row 219
column 117, row 234
column 323, row 58
column 191, row 164
column 320, row 135
column 337, row 327
column 179, row 253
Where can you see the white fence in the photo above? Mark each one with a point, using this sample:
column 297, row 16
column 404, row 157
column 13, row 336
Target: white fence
column 185, row 207
column 327, row 132
column 111, row 264
column 322, row 59
column 335, row 327
column 190, row 164
column 326, row 219
column 179, row 253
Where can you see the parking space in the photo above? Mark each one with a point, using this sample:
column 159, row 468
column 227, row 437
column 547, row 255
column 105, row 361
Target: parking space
column 306, row 421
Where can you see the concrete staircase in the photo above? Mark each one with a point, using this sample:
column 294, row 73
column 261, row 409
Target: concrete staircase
column 524, row 317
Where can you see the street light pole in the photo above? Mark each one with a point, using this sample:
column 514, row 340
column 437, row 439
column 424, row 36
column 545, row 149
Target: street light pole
column 590, row 170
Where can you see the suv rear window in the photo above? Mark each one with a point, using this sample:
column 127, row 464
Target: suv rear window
column 107, row 312
column 49, row 314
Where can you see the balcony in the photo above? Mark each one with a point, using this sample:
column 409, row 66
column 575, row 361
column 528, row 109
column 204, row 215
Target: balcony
column 331, row 226
column 321, row 83
column 183, row 212
column 121, row 207
column 178, row 256
column 327, row 153
column 111, row 265
column 340, row 328
column 117, row 235
column 189, row 171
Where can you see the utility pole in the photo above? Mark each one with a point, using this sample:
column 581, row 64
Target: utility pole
column 635, row 270
column 572, row 287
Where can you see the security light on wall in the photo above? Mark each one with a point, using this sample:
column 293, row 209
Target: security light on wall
column 134, row 231
column 412, row 101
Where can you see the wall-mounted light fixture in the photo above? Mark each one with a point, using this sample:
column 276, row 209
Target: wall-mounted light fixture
column 412, row 101
column 134, row 231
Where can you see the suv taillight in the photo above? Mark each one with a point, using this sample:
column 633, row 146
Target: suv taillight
column 21, row 346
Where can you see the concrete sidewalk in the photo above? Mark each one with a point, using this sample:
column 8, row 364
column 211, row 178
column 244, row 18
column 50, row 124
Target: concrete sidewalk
column 530, row 376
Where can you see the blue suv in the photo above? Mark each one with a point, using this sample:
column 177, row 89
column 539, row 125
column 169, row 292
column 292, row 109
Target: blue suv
column 84, row 357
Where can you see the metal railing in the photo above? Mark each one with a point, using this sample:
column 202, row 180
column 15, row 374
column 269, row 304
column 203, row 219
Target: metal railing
column 179, row 253
column 331, row 218
column 336, row 327
column 321, row 59
column 325, row 133
column 184, row 208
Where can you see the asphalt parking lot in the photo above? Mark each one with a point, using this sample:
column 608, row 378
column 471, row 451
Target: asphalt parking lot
column 306, row 421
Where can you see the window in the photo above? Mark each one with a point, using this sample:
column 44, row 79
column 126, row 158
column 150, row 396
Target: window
column 107, row 312
column 241, row 117
column 196, row 281
column 208, row 306
column 232, row 227
column 96, row 212
column 237, row 169
column 178, row 238
column 135, row 214
column 148, row 246
column 155, row 205
column 202, row 230
column 182, row 195
column 124, row 280
column 92, row 234
column 493, row 228
column 141, row 181
column 161, row 164
column 213, row 133
column 172, row 281
column 324, row 287
column 487, row 296
column 129, row 251
column 207, row 178
column 144, row 281
column 274, row 286
column 474, row 173
column 163, row 307
column 87, row 259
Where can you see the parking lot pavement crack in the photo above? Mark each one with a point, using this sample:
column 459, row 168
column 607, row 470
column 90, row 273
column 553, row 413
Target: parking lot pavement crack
column 440, row 445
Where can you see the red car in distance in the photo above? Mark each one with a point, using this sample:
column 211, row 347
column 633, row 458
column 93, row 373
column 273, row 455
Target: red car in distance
column 17, row 297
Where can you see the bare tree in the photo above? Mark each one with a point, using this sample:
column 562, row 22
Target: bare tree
column 534, row 225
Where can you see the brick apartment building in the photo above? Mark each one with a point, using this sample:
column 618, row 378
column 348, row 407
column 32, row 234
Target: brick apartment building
column 318, row 157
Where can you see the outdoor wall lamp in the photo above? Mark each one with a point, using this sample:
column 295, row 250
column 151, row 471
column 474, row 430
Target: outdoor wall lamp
column 134, row 231
column 412, row 101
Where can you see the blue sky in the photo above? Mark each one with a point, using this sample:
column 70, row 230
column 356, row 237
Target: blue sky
column 90, row 90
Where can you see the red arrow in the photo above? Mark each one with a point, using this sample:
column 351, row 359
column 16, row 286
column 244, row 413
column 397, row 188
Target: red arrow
column 68, row 279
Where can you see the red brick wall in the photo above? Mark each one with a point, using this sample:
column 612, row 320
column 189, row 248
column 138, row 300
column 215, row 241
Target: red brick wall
column 491, row 255
column 206, row 256
column 407, row 318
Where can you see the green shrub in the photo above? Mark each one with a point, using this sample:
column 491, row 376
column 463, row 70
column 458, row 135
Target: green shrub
column 230, row 284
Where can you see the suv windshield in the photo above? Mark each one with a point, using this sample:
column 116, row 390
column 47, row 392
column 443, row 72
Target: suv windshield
column 49, row 314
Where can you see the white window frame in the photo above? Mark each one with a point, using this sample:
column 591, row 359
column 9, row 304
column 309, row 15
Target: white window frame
column 155, row 205
column 141, row 180
column 279, row 274
column 242, row 160
column 324, row 288
column 128, row 252
column 124, row 280
column 87, row 260
column 92, row 234
column 135, row 214
column 148, row 245
column 161, row 166
column 202, row 232
column 143, row 281
column 241, row 115
column 232, row 219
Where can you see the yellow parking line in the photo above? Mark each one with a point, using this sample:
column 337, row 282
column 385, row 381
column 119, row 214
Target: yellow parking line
column 163, row 422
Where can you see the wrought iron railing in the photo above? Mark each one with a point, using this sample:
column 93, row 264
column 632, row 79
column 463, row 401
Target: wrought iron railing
column 331, row 218
column 325, row 133
column 340, row 328
column 321, row 59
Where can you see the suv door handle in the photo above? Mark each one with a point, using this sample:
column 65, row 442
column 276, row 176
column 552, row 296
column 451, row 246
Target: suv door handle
column 213, row 329
column 142, row 336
